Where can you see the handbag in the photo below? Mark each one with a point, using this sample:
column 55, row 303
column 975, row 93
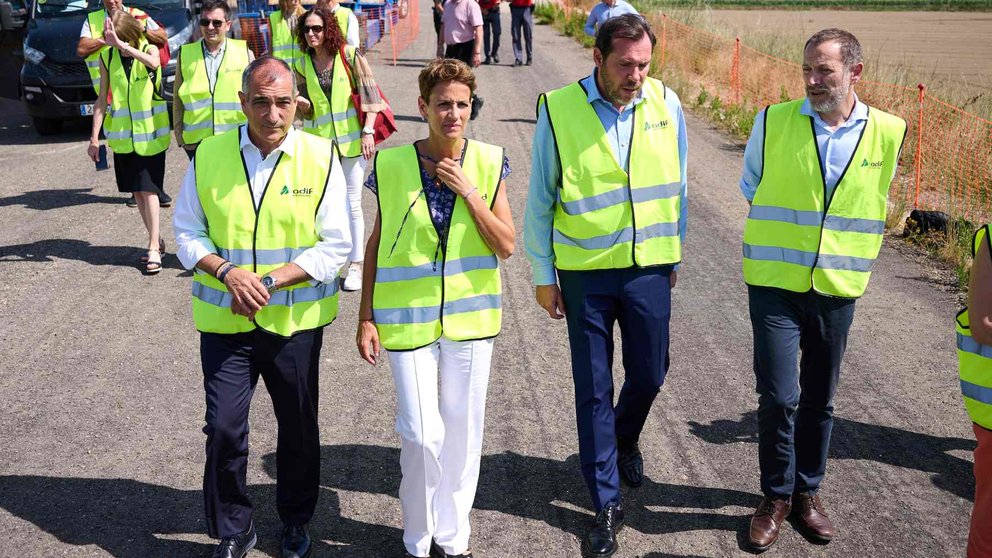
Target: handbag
column 385, row 120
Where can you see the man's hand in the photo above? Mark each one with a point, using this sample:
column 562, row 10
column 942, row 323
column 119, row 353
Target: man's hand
column 673, row 279
column 476, row 60
column 246, row 288
column 549, row 297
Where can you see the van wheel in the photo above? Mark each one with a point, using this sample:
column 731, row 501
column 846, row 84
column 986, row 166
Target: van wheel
column 46, row 127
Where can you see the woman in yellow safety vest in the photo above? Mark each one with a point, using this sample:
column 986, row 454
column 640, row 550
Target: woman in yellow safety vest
column 136, row 124
column 432, row 298
column 328, row 73
column 282, row 31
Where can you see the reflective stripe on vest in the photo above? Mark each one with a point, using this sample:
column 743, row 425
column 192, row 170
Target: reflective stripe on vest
column 96, row 20
column 137, row 120
column 424, row 288
column 336, row 118
column 264, row 240
column 209, row 113
column 796, row 239
column 975, row 360
column 605, row 217
column 284, row 45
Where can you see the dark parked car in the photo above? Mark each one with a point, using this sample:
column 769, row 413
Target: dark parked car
column 55, row 85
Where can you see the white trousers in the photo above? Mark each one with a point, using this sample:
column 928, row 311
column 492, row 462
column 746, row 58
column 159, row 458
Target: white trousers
column 441, row 439
column 354, row 176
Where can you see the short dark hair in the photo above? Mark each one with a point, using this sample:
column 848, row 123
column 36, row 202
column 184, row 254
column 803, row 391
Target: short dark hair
column 211, row 5
column 271, row 69
column 850, row 48
column 628, row 26
column 441, row 70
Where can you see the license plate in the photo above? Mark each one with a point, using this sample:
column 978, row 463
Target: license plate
column 86, row 110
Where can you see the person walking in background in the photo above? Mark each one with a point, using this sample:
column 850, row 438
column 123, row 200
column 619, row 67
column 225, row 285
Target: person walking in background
column 433, row 300
column 974, row 332
column 347, row 20
column 136, row 124
column 607, row 212
column 328, row 73
column 605, row 10
column 92, row 42
column 816, row 175
column 261, row 221
column 282, row 28
column 491, row 30
column 461, row 33
column 209, row 80
column 522, row 26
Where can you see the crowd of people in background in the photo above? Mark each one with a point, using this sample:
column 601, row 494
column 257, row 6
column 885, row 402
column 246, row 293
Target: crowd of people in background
column 604, row 232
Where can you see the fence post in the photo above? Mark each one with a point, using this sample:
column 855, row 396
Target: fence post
column 664, row 37
column 918, row 159
column 735, row 72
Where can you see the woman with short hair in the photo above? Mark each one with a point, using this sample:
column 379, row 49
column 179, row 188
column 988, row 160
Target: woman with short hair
column 330, row 69
column 432, row 298
column 137, row 124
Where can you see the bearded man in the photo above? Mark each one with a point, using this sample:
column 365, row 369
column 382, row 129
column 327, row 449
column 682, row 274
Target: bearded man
column 606, row 219
column 816, row 174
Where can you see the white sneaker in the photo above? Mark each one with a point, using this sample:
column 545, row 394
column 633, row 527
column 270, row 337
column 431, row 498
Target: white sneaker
column 353, row 280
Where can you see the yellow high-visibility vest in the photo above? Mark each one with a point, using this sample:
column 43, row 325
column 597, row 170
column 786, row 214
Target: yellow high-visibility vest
column 975, row 360
column 426, row 286
column 262, row 240
column 795, row 238
column 334, row 118
column 608, row 218
column 284, row 45
column 96, row 20
column 137, row 119
column 207, row 113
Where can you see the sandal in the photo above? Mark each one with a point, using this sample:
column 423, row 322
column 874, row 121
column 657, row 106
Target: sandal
column 161, row 251
column 153, row 264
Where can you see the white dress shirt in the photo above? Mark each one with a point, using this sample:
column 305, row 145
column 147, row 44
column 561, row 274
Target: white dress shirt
column 322, row 262
column 351, row 37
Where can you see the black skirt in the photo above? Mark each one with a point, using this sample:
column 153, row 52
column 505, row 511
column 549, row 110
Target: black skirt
column 137, row 173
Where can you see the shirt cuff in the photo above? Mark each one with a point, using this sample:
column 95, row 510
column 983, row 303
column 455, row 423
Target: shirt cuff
column 192, row 251
column 309, row 261
column 544, row 273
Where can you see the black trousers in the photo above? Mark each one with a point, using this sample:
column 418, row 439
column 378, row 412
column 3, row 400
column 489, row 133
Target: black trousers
column 461, row 51
column 232, row 364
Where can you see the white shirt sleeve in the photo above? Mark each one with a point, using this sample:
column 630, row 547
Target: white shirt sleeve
column 325, row 259
column 84, row 33
column 352, row 37
column 190, row 223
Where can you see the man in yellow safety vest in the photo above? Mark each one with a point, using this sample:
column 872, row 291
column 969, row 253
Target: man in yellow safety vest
column 263, row 223
column 816, row 175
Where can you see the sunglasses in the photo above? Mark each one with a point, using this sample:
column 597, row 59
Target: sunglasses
column 313, row 28
column 215, row 23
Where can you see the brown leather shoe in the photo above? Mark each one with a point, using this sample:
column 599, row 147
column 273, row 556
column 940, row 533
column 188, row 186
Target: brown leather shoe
column 812, row 519
column 766, row 522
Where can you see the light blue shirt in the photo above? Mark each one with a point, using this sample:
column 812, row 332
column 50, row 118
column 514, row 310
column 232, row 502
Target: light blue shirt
column 601, row 12
column 836, row 147
column 545, row 176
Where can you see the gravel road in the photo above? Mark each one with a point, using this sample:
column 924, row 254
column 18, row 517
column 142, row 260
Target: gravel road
column 102, row 403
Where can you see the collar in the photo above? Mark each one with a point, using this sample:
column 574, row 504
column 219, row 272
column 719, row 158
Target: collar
column 287, row 146
column 859, row 114
column 206, row 52
column 593, row 95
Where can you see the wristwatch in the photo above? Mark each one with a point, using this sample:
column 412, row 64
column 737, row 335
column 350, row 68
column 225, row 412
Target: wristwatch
column 269, row 282
column 368, row 131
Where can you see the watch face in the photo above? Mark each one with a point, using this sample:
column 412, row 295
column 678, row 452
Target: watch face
column 268, row 282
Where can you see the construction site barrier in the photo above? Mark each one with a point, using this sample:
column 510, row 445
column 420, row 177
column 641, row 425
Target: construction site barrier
column 385, row 29
column 946, row 161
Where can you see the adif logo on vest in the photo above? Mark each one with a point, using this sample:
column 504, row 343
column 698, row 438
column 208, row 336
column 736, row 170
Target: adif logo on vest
column 659, row 125
column 872, row 165
column 296, row 192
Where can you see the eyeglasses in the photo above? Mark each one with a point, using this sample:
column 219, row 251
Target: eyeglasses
column 215, row 23
column 313, row 28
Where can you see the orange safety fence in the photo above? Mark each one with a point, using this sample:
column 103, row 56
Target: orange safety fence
column 385, row 28
column 946, row 161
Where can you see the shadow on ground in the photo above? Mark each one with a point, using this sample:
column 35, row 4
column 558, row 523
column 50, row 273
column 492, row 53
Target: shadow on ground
column 59, row 199
column 80, row 250
column 884, row 444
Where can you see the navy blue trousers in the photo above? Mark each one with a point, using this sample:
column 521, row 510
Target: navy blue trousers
column 640, row 301
column 232, row 364
column 795, row 393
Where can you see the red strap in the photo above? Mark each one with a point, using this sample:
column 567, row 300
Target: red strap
column 347, row 69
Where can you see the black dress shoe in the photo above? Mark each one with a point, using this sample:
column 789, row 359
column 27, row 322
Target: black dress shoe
column 164, row 200
column 530, row 61
column 601, row 540
column 517, row 62
column 495, row 59
column 236, row 546
column 131, row 202
column 630, row 463
column 296, row 542
column 477, row 103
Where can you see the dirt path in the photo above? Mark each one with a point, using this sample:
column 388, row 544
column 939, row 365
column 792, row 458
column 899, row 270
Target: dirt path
column 102, row 398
